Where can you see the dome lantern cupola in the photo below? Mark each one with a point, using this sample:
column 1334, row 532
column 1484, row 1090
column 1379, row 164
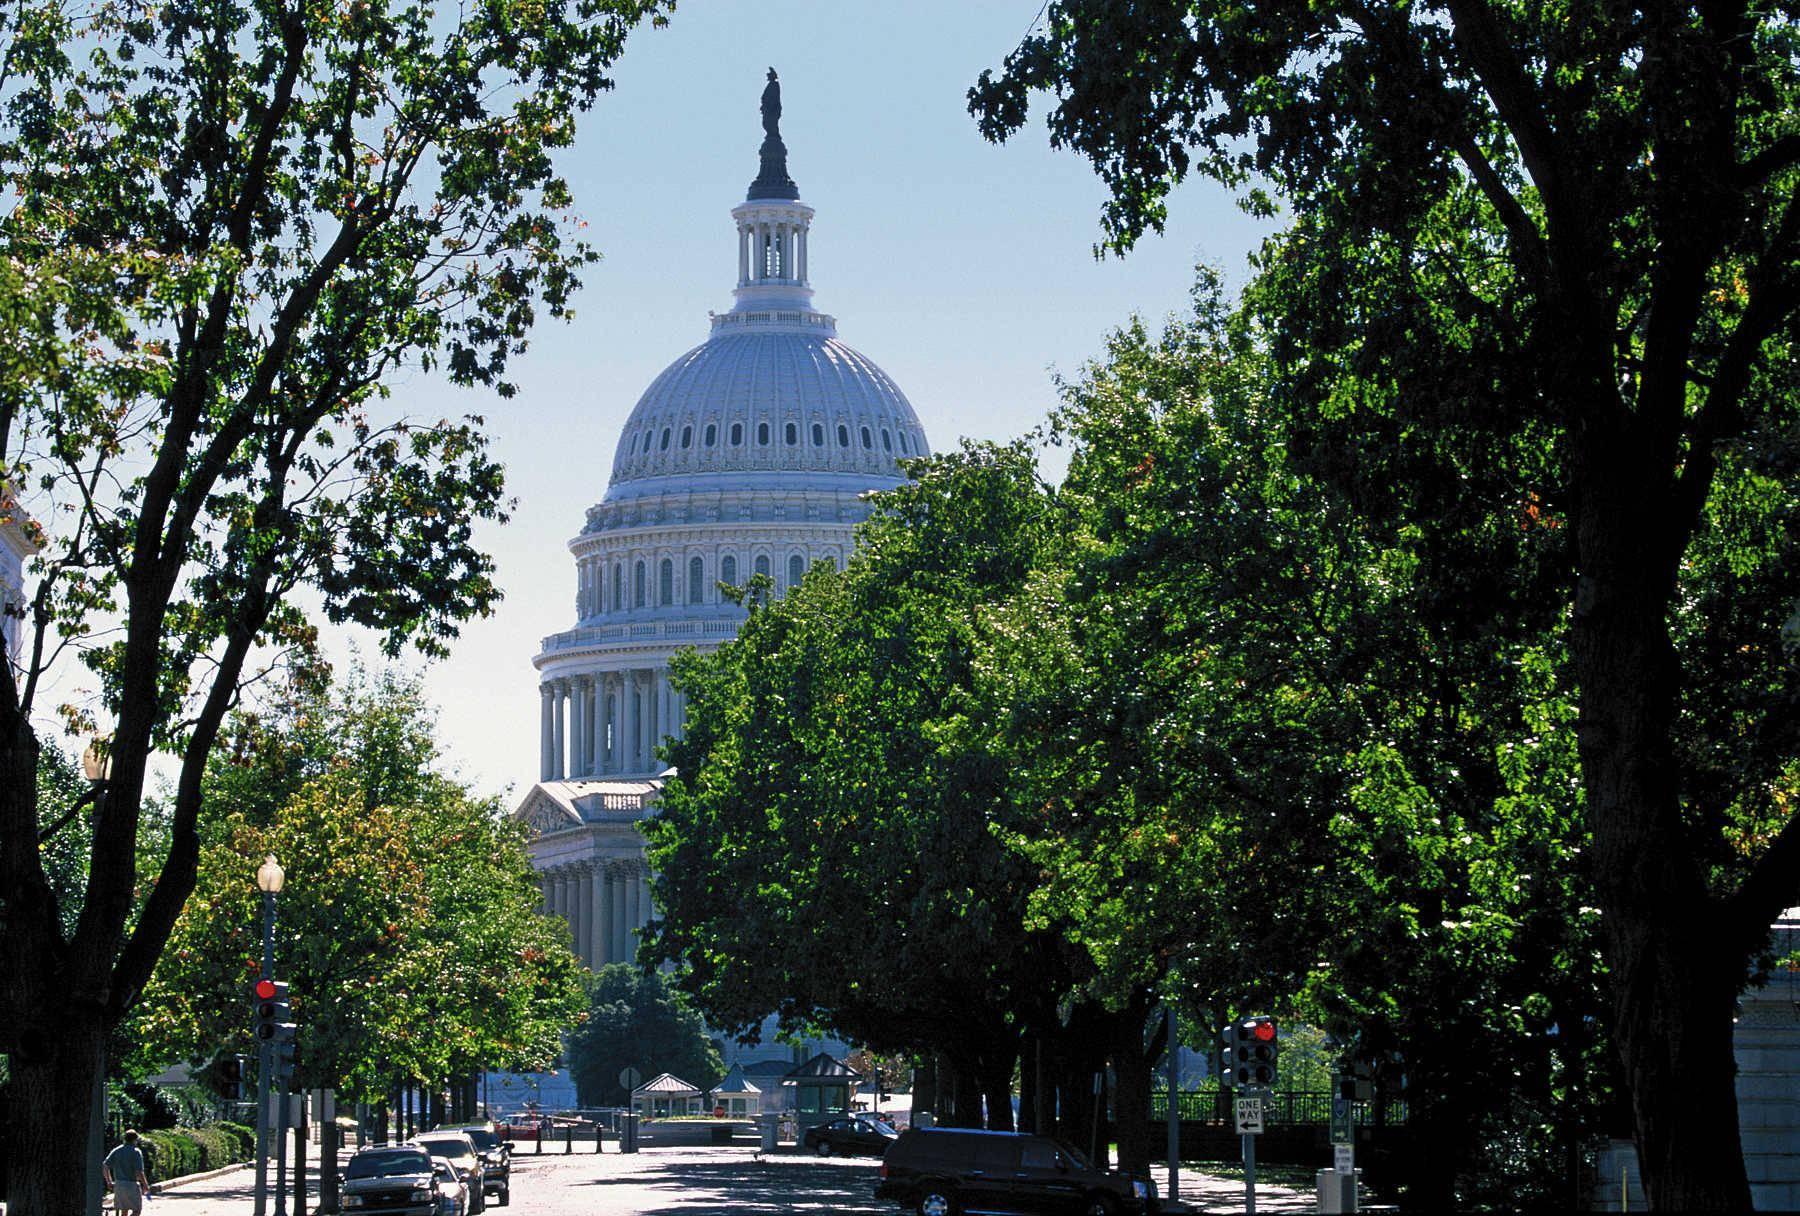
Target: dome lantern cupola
column 772, row 227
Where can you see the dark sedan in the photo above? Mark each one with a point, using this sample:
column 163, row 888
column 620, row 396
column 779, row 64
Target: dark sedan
column 850, row 1135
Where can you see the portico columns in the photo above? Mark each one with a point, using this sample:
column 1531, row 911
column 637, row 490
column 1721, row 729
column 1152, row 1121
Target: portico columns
column 628, row 710
column 561, row 751
column 577, row 722
column 547, row 741
column 578, row 911
column 620, row 936
column 597, row 739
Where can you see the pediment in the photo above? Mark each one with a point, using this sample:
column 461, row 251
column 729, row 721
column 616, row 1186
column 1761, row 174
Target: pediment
column 543, row 814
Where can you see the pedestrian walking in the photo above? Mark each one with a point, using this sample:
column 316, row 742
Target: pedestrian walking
column 123, row 1172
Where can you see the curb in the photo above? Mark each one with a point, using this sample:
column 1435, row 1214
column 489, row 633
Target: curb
column 185, row 1179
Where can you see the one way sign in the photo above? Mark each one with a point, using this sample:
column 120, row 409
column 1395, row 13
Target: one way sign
column 1249, row 1116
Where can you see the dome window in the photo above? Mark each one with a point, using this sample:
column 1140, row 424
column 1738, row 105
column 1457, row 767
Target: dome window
column 887, row 440
column 818, row 435
column 687, row 438
column 762, row 565
column 843, row 436
column 665, row 583
column 696, row 580
column 762, row 434
column 637, row 585
column 665, row 440
column 868, row 442
column 796, row 570
column 737, row 433
column 712, row 434
column 618, row 586
column 728, row 570
column 903, row 450
column 792, row 434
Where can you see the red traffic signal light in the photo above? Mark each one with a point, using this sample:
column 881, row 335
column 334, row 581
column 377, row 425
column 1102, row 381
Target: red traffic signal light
column 265, row 990
column 1264, row 1031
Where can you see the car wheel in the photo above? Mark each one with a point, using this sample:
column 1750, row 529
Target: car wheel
column 936, row 1202
column 824, row 1148
column 1097, row 1205
column 506, row 1196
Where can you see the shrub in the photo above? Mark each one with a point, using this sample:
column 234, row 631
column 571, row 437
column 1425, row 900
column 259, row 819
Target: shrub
column 178, row 1151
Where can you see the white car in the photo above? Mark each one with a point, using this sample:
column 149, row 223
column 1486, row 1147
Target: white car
column 452, row 1190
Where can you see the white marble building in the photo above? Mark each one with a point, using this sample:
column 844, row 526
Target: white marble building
column 749, row 455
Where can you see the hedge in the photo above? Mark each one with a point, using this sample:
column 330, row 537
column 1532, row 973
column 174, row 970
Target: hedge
column 190, row 1150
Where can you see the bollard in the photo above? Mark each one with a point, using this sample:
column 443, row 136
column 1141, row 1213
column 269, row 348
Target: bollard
column 597, row 1136
column 540, row 1140
column 568, row 1139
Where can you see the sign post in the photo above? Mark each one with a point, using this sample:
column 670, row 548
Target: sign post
column 1250, row 1125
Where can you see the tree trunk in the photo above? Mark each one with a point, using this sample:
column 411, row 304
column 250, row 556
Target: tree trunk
column 52, row 1148
column 1030, row 1092
column 1674, row 968
column 996, row 1087
column 1132, row 1072
column 925, row 1084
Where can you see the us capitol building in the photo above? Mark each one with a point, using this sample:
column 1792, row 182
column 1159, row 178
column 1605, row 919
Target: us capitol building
column 750, row 454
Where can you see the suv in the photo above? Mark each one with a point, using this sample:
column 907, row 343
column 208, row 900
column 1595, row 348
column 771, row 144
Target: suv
column 944, row 1170
column 496, row 1160
column 391, row 1182
column 460, row 1151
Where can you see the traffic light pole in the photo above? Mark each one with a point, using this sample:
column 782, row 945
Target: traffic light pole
column 265, row 1065
column 1249, row 1175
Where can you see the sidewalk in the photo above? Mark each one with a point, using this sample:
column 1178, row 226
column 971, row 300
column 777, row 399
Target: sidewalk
column 1206, row 1193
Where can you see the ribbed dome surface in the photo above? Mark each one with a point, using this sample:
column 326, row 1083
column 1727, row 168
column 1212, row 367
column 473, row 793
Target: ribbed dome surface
column 781, row 400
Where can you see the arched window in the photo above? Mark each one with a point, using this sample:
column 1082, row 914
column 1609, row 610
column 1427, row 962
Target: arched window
column 728, row 570
column 843, row 436
column 762, row 433
column 791, row 434
column 818, row 435
column 634, row 443
column 762, row 565
column 664, row 446
column 868, row 443
column 737, row 433
column 796, row 570
column 637, row 586
column 887, row 441
column 665, row 583
column 618, row 586
column 687, row 436
column 903, row 450
column 696, row 580
column 712, row 434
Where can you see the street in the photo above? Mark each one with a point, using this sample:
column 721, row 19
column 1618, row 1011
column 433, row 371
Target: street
column 698, row 1182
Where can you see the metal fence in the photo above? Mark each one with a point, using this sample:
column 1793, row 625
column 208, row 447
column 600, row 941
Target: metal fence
column 1292, row 1106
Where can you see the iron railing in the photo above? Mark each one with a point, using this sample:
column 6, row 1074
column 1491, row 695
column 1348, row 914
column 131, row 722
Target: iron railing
column 1292, row 1107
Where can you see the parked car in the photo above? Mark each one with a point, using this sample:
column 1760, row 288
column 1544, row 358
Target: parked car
column 461, row 1152
column 850, row 1134
column 391, row 1182
column 496, row 1160
column 942, row 1171
column 453, row 1192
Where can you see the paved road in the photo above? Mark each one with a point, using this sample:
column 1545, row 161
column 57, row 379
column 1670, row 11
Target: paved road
column 698, row 1182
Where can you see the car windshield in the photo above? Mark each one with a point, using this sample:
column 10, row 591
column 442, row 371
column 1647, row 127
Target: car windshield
column 1075, row 1155
column 443, row 1169
column 483, row 1138
column 445, row 1148
column 386, row 1165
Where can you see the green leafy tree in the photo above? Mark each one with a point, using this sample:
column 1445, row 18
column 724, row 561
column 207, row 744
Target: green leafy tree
column 408, row 926
column 640, row 1020
column 229, row 226
column 827, row 851
column 1550, row 234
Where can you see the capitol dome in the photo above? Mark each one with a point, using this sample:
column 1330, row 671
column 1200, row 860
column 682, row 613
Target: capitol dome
column 751, row 455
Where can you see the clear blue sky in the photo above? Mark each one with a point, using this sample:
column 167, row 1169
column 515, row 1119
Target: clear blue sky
column 964, row 269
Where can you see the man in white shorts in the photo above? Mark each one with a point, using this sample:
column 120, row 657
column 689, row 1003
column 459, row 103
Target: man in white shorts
column 123, row 1171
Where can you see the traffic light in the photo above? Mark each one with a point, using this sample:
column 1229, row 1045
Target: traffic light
column 272, row 1025
column 1256, row 1047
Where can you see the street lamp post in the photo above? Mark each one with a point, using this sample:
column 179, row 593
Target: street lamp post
column 269, row 879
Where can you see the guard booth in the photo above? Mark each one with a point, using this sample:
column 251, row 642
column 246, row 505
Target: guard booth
column 822, row 1089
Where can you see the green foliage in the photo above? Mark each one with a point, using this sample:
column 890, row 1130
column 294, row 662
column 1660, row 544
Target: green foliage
column 828, row 851
column 408, row 924
column 178, row 1151
column 638, row 1020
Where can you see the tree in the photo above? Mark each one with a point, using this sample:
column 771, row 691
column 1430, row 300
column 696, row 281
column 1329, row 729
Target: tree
column 1265, row 759
column 408, row 927
column 1565, row 232
column 230, row 225
column 638, row 1020
column 827, row 851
